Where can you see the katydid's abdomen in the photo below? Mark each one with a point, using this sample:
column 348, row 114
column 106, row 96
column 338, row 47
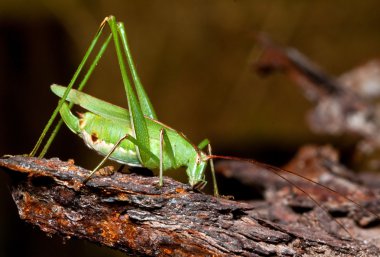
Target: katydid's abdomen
column 101, row 134
column 97, row 135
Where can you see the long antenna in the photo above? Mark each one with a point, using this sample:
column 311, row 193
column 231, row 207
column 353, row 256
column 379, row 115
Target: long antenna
column 277, row 171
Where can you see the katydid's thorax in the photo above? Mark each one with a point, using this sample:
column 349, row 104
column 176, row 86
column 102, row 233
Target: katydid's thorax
column 186, row 154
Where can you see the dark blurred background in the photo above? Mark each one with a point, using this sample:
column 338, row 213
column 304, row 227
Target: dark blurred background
column 194, row 58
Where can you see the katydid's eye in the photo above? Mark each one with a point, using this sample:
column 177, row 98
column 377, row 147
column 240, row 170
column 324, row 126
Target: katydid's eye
column 94, row 137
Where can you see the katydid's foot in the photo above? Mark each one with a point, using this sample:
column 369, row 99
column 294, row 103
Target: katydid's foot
column 227, row 197
column 106, row 171
column 86, row 179
column 199, row 186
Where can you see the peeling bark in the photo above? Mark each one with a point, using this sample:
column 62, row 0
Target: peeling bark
column 131, row 213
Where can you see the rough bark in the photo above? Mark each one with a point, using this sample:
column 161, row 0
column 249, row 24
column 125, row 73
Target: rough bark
column 130, row 213
column 350, row 204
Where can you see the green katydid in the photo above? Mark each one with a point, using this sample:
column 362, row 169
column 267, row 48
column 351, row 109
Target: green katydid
column 135, row 136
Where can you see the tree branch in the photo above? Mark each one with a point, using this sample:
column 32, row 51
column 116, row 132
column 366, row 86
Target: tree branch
column 131, row 213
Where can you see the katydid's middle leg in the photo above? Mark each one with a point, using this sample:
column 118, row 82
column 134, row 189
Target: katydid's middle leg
column 106, row 157
column 126, row 137
column 165, row 142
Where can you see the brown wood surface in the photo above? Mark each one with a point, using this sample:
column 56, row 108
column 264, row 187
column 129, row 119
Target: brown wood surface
column 131, row 213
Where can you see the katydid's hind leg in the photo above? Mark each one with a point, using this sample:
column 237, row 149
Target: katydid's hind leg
column 215, row 185
column 71, row 84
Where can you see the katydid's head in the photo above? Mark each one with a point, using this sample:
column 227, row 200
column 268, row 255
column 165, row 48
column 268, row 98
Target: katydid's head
column 196, row 171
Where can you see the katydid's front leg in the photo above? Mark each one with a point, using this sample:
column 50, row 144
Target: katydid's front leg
column 201, row 145
column 215, row 184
